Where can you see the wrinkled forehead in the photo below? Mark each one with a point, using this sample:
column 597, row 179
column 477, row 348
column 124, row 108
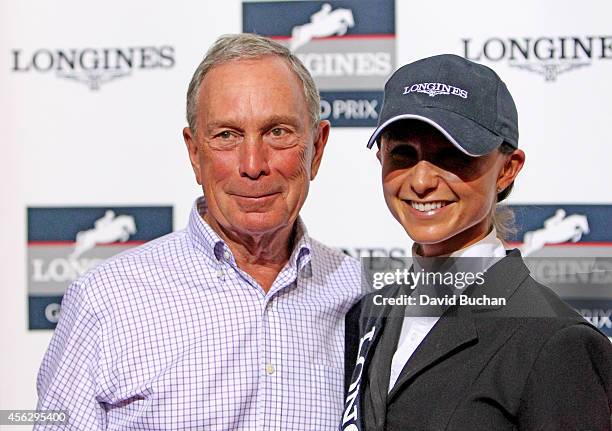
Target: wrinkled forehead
column 240, row 74
column 258, row 88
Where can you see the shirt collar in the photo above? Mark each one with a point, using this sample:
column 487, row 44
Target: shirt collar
column 302, row 249
column 481, row 256
column 489, row 246
column 206, row 240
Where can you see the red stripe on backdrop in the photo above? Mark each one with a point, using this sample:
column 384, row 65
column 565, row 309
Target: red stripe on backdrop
column 72, row 243
column 570, row 244
column 346, row 36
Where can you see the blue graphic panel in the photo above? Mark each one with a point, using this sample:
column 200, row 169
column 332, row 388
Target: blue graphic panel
column 597, row 311
column 62, row 224
column 532, row 217
column 278, row 18
column 43, row 311
column 351, row 108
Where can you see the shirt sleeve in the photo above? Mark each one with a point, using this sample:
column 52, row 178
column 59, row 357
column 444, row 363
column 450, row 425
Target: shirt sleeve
column 66, row 379
column 570, row 384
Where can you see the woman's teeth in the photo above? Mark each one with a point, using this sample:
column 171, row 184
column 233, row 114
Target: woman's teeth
column 424, row 207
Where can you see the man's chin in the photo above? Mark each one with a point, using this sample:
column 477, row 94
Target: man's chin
column 259, row 223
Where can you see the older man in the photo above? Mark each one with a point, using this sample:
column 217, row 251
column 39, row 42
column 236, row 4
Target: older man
column 237, row 321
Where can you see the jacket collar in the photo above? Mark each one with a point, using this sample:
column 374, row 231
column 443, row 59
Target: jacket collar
column 456, row 330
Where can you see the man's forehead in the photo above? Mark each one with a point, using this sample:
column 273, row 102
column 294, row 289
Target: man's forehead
column 261, row 90
column 245, row 67
column 271, row 72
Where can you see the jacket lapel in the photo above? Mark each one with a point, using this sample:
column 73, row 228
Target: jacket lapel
column 379, row 369
column 456, row 329
column 451, row 334
column 373, row 320
column 454, row 332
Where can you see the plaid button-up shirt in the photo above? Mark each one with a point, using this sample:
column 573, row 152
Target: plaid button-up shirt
column 173, row 335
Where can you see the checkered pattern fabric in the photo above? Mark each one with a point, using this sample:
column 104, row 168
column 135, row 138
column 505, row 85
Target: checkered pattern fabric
column 172, row 335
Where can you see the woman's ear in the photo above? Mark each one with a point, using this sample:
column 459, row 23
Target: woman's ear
column 513, row 164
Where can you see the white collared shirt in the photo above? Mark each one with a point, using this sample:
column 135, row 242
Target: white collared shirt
column 415, row 329
column 174, row 335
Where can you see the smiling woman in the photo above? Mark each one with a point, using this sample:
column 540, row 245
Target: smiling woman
column 443, row 197
column 504, row 354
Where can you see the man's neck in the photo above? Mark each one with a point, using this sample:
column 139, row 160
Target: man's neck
column 261, row 256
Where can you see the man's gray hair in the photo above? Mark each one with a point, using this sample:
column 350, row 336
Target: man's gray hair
column 246, row 46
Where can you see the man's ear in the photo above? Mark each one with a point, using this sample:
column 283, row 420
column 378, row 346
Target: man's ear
column 379, row 154
column 513, row 164
column 322, row 134
column 194, row 152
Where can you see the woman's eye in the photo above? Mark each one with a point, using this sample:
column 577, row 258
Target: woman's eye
column 403, row 151
column 454, row 158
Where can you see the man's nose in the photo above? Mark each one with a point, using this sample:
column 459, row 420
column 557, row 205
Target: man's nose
column 253, row 155
column 424, row 178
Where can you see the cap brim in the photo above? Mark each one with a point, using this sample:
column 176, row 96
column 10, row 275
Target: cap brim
column 469, row 137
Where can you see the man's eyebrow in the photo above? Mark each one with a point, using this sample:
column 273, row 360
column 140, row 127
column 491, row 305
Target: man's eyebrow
column 267, row 124
column 219, row 125
column 280, row 119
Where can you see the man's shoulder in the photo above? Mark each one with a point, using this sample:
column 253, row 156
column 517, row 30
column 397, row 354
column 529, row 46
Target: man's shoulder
column 127, row 281
column 333, row 268
column 326, row 255
column 160, row 254
column 154, row 250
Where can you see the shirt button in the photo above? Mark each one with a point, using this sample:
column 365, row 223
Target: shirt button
column 226, row 255
column 270, row 369
column 220, row 273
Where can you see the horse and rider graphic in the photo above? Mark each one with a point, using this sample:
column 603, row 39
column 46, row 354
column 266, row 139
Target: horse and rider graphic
column 557, row 229
column 107, row 230
column 323, row 23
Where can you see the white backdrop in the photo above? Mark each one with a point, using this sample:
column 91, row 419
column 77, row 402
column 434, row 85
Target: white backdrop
column 66, row 145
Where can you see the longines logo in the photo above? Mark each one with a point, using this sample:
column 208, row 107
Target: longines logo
column 547, row 56
column 433, row 89
column 349, row 54
column 93, row 66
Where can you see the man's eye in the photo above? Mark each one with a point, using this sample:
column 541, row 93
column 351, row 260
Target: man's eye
column 225, row 140
column 278, row 132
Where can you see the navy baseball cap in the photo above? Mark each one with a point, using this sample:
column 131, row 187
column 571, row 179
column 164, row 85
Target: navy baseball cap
column 466, row 101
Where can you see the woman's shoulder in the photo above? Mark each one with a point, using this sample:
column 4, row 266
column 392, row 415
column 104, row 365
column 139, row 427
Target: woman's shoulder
column 543, row 314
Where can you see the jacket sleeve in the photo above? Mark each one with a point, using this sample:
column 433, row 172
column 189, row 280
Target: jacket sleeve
column 570, row 384
column 66, row 379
